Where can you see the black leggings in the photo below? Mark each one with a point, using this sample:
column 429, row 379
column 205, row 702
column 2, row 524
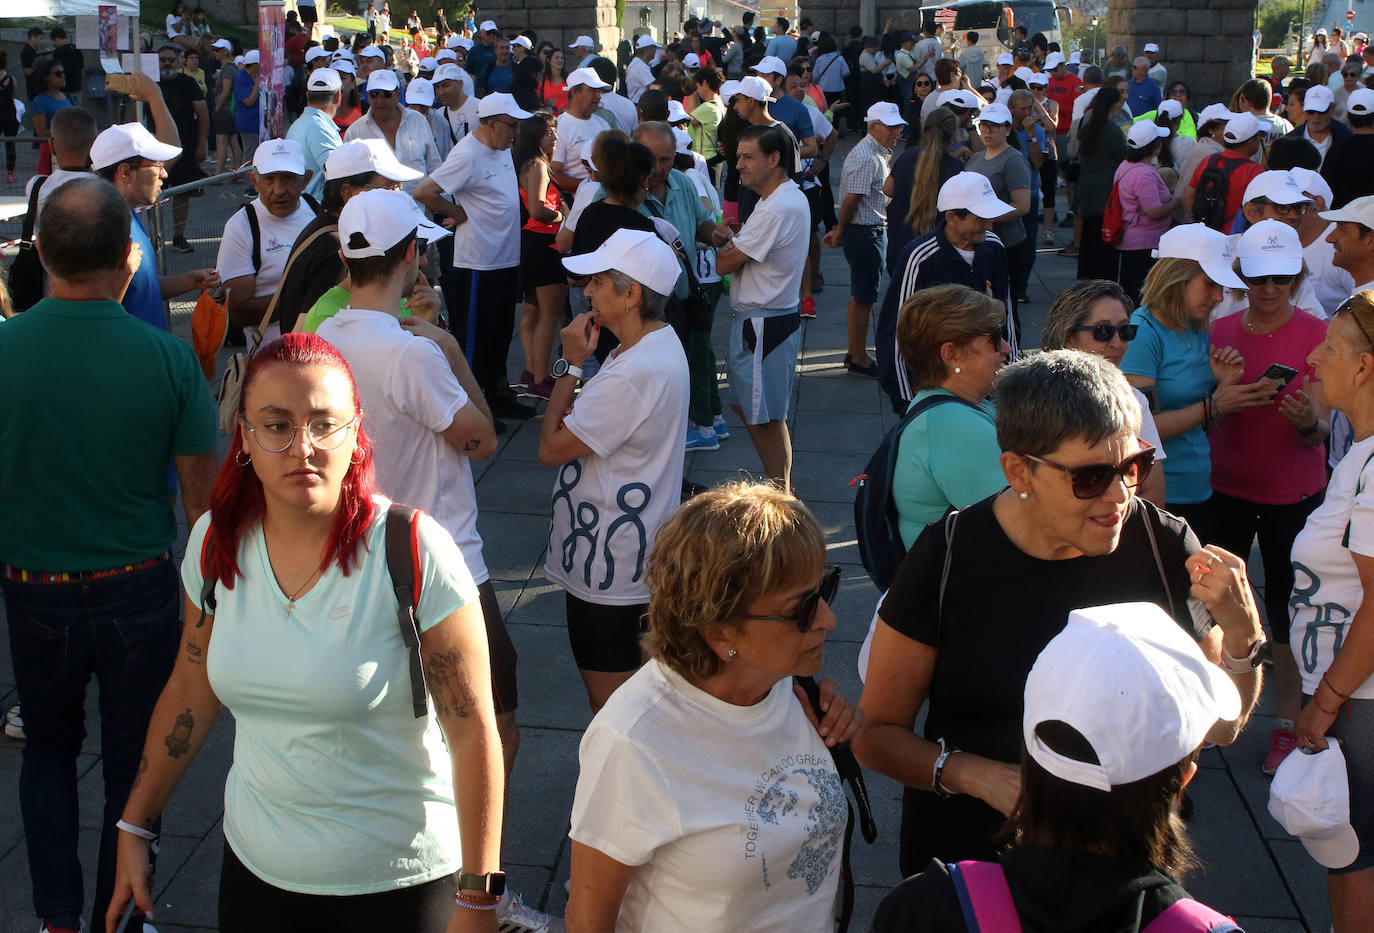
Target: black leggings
column 247, row 904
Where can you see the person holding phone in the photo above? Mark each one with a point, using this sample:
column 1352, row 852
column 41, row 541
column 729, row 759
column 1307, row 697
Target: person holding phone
column 1268, row 462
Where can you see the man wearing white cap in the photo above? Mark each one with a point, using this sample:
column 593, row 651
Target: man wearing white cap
column 257, row 238
column 315, row 129
column 578, row 128
column 1320, row 129
column 133, row 160
column 616, row 109
column 784, row 107
column 1353, row 239
column 638, row 76
column 862, row 227
column 482, row 55
column 484, row 286
column 1330, row 283
column 584, row 46
column 228, row 149
column 246, row 108
column 406, row 131
column 369, row 60
column 1226, row 175
column 1157, row 71
column 455, row 108
column 961, row 250
column 1347, row 165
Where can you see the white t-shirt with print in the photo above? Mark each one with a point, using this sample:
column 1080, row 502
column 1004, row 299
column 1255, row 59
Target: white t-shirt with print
column 733, row 816
column 575, row 138
column 335, row 788
column 278, row 234
column 450, row 126
column 482, row 181
column 776, row 237
column 1326, row 585
column 609, row 505
column 410, row 395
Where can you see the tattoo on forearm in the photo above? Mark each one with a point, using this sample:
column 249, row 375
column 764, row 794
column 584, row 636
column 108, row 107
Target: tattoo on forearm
column 194, row 652
column 178, row 741
column 450, row 684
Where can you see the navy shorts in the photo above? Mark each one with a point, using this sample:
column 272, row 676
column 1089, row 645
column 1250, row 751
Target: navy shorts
column 865, row 249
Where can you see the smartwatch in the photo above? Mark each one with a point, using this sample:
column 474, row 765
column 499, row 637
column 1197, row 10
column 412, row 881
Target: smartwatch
column 1253, row 659
column 562, row 367
column 493, row 883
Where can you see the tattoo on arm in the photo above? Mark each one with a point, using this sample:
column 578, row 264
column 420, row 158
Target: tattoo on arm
column 450, row 684
column 194, row 652
column 178, row 741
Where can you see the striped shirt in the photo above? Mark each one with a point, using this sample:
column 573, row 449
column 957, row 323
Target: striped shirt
column 865, row 170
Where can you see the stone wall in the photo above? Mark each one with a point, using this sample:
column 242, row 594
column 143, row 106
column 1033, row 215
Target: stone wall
column 1207, row 44
column 561, row 21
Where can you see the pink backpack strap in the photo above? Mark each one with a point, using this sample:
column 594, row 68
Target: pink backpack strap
column 984, row 897
column 1190, row 916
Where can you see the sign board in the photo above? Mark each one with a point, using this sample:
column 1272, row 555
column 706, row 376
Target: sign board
column 272, row 78
column 946, row 17
column 1350, row 16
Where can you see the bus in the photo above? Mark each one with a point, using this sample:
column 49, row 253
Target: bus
column 990, row 17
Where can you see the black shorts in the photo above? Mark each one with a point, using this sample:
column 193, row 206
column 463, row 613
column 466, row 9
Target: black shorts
column 308, row 14
column 505, row 694
column 813, row 201
column 606, row 638
column 540, row 263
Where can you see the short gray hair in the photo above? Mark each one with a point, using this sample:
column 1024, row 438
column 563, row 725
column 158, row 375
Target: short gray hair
column 1140, row 61
column 1058, row 396
column 654, row 303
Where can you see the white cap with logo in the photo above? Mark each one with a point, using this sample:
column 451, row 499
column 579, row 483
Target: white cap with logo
column 1053, row 61
column 364, row 157
column 1312, row 184
column 448, row 71
column 639, row 254
column 127, row 141
column 500, row 105
column 1005, row 59
column 1038, row 79
column 445, row 55
column 487, row 26
column 1209, row 248
column 383, row 79
column 1277, row 186
column 279, row 155
column 314, row 52
column 1310, row 797
column 1241, row 127
column 995, row 113
column 344, row 67
column 372, row 51
column 969, row 191
column 1270, row 247
column 1318, row 99
column 372, row 222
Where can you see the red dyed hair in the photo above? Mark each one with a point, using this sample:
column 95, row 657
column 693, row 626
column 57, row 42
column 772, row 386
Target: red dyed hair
column 237, row 502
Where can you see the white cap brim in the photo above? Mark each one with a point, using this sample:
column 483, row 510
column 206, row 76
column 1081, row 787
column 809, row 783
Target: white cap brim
column 1223, row 275
column 1338, row 851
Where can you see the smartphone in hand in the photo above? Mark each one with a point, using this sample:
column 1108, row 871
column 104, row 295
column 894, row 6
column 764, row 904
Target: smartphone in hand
column 1279, row 373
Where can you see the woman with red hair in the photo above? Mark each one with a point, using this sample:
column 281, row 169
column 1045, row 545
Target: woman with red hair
column 343, row 784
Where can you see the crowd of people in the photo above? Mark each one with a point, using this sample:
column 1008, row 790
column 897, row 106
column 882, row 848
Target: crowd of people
column 1203, row 385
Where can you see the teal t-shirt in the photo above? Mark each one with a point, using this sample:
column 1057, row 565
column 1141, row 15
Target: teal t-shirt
column 946, row 457
column 1178, row 363
column 96, row 402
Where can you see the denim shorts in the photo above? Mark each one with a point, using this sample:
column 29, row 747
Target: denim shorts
column 864, row 250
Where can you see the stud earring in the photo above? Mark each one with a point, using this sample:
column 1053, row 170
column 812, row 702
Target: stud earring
column 1024, row 495
column 958, row 370
column 732, row 654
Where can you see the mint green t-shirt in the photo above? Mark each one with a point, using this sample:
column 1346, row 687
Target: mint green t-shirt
column 336, row 788
column 946, row 457
column 96, row 402
column 331, row 303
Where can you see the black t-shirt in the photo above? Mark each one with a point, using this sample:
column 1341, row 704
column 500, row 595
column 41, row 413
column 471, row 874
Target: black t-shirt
column 600, row 219
column 1346, row 169
column 315, row 271
column 69, row 56
column 181, row 92
column 29, row 57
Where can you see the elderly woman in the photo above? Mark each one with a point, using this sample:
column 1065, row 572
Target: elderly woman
column 1190, row 386
column 1333, row 558
column 348, row 779
column 1095, row 316
column 708, row 801
column 1068, row 533
column 1146, row 204
column 618, row 450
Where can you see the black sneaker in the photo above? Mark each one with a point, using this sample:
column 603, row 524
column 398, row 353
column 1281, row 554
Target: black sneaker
column 181, row 246
column 1067, row 222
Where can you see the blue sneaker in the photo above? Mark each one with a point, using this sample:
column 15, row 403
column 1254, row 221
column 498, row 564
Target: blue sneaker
column 701, row 438
column 721, row 428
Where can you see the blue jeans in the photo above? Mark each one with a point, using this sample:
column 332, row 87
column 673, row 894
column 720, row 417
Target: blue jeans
column 125, row 630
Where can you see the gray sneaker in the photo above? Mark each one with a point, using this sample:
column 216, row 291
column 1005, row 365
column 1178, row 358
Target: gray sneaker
column 14, row 723
column 512, row 916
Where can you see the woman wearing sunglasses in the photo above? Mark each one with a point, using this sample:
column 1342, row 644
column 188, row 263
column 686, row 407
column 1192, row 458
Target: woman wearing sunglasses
column 1068, row 533
column 343, row 784
column 708, row 801
column 1269, row 463
column 1094, row 316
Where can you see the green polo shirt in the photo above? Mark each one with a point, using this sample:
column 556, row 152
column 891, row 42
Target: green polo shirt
column 331, row 303
column 95, row 404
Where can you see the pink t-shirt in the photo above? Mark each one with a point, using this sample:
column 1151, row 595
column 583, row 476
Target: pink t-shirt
column 1141, row 189
column 1256, row 453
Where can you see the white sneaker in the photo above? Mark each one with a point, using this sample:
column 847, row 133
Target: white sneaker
column 512, row 916
column 14, row 723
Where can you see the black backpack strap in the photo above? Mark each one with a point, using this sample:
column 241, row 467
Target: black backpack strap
column 27, row 230
column 401, row 560
column 255, row 231
column 314, row 205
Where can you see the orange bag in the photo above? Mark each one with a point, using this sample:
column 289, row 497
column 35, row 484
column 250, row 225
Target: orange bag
column 209, row 324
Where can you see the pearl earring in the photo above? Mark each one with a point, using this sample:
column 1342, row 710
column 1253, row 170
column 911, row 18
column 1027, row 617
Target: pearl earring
column 732, row 654
column 1024, row 495
column 957, row 370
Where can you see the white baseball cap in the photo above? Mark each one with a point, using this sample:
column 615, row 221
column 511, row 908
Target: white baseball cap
column 429, row 63
column 1360, row 102
column 372, row 222
column 770, row 65
column 755, row 87
column 1214, row 112
column 691, row 60
column 965, row 100
column 1024, row 73
column 646, row 41
column 969, row 191
column 1038, row 78
column 445, row 55
column 523, row 41
column 583, row 42
column 324, row 79
column 1312, row 184
column 372, row 51
column 885, row 113
column 995, row 113
column 487, row 26
column 383, row 79
column 1075, row 58
column 126, row 141
column 341, row 55
column 677, row 113
column 1151, row 47
column 222, row 44
column 1241, row 127
column 420, row 92
column 1170, row 108
column 588, row 77
column 279, row 155
column 460, row 42
column 447, row 72
column 683, row 138
column 639, row 254
column 1054, row 60
column 1144, row 133
column 1210, row 248
column 1356, row 211
column 1270, row 247
column 1321, row 31
column 364, row 157
column 238, row 60
column 251, row 57
column 345, row 67
column 1280, row 187
column 1132, row 683
column 496, row 105
column 1318, row 99
column 728, row 90
column 314, row 52
column 1310, row 797
column 1005, row 59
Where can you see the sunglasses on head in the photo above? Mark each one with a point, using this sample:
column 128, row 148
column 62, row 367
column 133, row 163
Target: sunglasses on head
column 804, row 616
column 1103, row 333
column 386, row 94
column 1093, row 480
column 1266, row 279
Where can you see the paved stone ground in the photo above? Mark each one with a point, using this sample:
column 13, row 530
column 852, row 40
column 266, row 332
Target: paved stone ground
column 1249, row 867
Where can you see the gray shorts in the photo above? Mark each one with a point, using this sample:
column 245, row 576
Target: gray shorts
column 763, row 362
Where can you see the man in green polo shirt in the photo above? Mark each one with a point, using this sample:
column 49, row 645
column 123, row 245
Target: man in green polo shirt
column 96, row 404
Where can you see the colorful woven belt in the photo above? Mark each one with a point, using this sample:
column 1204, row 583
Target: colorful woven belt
column 34, row 576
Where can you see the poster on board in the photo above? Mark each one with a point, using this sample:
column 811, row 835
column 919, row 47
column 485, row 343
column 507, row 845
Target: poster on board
column 272, row 72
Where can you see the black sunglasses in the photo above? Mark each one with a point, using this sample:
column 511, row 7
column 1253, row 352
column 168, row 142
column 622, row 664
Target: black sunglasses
column 1260, row 280
column 1103, row 333
column 805, row 614
column 1093, row 480
column 379, row 93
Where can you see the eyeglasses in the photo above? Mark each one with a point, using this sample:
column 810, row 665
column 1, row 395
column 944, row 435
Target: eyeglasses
column 386, row 94
column 1284, row 210
column 1093, row 480
column 805, row 614
column 277, row 434
column 1261, row 280
column 1103, row 333
column 389, row 186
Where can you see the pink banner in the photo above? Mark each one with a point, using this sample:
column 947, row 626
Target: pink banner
column 272, row 69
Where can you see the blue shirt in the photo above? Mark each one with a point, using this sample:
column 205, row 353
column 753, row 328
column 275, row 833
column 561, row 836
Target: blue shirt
column 1178, row 363
column 783, row 47
column 144, row 298
column 246, row 119
column 500, row 78
column 1143, row 96
column 318, row 136
column 787, row 109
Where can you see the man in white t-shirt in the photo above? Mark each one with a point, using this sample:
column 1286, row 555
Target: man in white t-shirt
column 483, row 287
column 578, row 128
column 619, row 112
column 583, row 46
column 766, row 259
column 250, row 264
column 1331, row 285
column 1353, row 239
column 455, row 109
column 639, row 76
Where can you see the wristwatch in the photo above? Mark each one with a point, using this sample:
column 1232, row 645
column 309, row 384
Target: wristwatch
column 562, row 367
column 1253, row 659
column 493, row 883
